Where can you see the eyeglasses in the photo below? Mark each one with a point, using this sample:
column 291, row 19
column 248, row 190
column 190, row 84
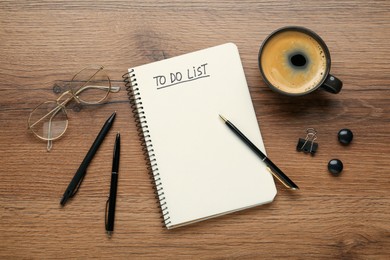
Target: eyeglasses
column 49, row 120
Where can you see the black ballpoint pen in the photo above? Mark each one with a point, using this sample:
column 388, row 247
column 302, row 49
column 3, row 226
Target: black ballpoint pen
column 111, row 202
column 275, row 171
column 79, row 175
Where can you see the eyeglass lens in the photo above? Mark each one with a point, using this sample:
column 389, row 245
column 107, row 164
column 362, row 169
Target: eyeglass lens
column 91, row 85
column 48, row 121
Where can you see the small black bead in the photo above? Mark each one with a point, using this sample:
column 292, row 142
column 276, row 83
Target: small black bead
column 345, row 136
column 335, row 166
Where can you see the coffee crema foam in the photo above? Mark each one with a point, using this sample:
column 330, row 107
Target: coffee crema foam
column 293, row 62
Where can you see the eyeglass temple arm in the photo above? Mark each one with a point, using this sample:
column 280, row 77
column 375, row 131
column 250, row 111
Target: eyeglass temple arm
column 113, row 89
column 49, row 141
column 101, row 67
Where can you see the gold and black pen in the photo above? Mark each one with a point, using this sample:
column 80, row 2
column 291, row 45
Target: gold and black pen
column 275, row 171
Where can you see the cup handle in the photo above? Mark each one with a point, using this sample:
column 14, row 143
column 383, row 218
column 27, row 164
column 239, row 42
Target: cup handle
column 332, row 84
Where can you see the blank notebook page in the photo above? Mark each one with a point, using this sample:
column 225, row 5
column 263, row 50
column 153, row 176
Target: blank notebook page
column 202, row 168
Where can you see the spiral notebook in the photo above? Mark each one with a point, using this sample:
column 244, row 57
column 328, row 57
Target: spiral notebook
column 200, row 168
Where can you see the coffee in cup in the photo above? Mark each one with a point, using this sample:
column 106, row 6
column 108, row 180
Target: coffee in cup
column 295, row 61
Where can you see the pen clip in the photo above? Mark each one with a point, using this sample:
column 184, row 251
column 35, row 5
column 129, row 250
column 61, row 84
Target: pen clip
column 106, row 212
column 78, row 186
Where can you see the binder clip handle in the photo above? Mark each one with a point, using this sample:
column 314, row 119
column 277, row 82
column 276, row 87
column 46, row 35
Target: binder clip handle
column 308, row 145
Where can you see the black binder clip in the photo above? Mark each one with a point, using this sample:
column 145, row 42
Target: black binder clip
column 308, row 145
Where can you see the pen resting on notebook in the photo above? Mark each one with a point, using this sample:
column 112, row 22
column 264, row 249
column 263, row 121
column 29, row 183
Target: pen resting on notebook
column 275, row 171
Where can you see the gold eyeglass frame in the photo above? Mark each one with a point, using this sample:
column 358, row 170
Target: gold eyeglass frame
column 61, row 104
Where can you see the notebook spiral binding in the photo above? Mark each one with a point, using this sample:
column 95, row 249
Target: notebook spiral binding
column 146, row 142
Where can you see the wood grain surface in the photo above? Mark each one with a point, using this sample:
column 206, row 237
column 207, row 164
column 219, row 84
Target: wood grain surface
column 43, row 43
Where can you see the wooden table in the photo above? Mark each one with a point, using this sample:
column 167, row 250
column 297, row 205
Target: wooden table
column 345, row 217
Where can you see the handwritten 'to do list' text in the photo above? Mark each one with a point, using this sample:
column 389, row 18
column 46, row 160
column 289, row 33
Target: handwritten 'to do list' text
column 178, row 77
